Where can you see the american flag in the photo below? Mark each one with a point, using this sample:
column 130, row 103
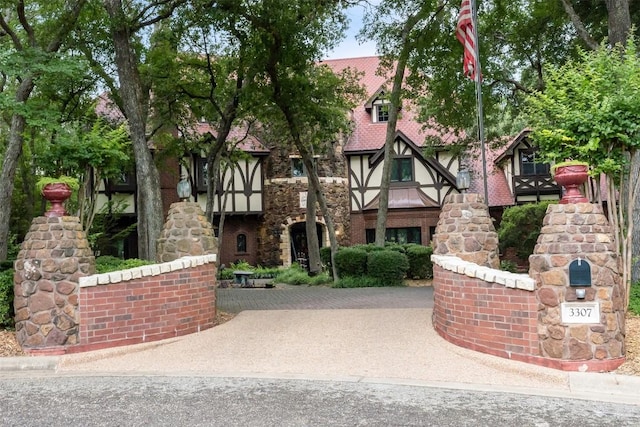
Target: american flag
column 465, row 34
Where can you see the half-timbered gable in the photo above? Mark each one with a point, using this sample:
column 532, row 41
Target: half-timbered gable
column 529, row 178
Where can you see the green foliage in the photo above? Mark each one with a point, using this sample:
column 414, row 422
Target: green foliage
column 108, row 263
column 6, row 299
column 351, row 261
column 388, row 266
column 325, row 256
column 520, row 227
column 634, row 299
column 510, row 266
column 590, row 109
column 420, row 265
column 295, row 275
column 62, row 179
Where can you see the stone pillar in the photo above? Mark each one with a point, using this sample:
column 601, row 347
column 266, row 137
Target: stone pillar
column 466, row 230
column 187, row 232
column 54, row 255
column 580, row 232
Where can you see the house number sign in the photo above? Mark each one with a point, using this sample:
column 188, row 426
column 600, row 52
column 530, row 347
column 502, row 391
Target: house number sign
column 580, row 312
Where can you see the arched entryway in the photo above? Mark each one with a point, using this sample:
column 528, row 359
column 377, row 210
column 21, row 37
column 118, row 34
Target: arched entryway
column 293, row 245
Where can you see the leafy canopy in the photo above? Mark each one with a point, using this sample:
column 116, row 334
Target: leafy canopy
column 590, row 109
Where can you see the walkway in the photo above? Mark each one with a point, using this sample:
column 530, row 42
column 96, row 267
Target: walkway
column 235, row 300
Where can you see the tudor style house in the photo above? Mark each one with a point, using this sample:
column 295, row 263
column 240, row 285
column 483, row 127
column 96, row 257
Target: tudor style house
column 264, row 196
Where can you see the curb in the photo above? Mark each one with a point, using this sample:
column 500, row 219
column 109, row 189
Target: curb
column 43, row 363
column 605, row 383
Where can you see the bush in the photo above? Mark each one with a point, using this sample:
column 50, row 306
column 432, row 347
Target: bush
column 634, row 299
column 351, row 261
column 107, row 263
column 389, row 266
column 510, row 266
column 325, row 256
column 295, row 275
column 520, row 227
column 6, row 299
column 420, row 265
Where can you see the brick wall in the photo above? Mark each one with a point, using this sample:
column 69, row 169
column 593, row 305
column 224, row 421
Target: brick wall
column 147, row 303
column 486, row 310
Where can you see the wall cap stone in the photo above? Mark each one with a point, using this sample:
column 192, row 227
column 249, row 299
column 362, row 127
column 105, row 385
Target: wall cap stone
column 490, row 275
column 146, row 270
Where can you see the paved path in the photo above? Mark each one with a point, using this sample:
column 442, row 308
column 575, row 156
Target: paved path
column 235, row 300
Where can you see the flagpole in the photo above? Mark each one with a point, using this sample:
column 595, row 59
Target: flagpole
column 478, row 81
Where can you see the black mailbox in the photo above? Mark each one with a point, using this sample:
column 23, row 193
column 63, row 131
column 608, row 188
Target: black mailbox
column 579, row 273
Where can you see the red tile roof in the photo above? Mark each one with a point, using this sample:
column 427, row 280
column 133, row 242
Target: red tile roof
column 370, row 136
column 497, row 185
column 246, row 142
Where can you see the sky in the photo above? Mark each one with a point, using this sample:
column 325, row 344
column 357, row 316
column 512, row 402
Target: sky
column 350, row 48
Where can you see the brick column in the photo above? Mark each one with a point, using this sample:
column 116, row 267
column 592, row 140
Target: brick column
column 571, row 232
column 54, row 255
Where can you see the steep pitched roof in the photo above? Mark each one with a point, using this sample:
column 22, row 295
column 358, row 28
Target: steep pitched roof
column 246, row 141
column 498, row 188
column 370, row 136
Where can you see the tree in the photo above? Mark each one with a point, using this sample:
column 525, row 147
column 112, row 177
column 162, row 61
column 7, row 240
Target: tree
column 31, row 36
column 311, row 100
column 397, row 41
column 590, row 111
column 134, row 93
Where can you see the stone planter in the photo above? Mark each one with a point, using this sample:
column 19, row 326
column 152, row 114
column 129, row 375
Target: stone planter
column 571, row 177
column 56, row 194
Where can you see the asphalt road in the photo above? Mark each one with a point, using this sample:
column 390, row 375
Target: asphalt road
column 53, row 400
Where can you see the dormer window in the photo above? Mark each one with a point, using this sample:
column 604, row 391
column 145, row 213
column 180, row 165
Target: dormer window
column 530, row 164
column 380, row 113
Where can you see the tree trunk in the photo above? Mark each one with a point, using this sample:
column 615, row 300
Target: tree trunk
column 313, row 245
column 149, row 197
column 10, row 161
column 619, row 21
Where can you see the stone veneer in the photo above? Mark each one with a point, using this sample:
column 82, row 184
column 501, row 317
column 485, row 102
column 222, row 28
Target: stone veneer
column 186, row 232
column 466, row 230
column 55, row 254
column 569, row 232
column 282, row 209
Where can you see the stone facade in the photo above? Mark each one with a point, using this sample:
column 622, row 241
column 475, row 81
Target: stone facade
column 569, row 232
column 54, row 255
column 282, row 209
column 466, row 230
column 185, row 233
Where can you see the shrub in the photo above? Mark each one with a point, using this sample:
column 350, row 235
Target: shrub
column 295, row 275
column 634, row 299
column 107, row 263
column 420, row 265
column 520, row 227
column 510, row 266
column 351, row 261
column 325, row 256
column 6, row 299
column 388, row 266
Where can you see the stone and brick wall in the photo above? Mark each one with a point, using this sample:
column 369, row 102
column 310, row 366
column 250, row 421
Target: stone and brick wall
column 54, row 256
column 571, row 232
column 147, row 303
column 483, row 309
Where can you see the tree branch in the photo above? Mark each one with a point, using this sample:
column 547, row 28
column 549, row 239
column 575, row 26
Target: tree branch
column 579, row 26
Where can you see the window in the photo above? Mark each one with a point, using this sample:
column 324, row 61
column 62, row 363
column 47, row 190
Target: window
column 126, row 181
column 201, row 168
column 397, row 235
column 530, row 165
column 381, row 112
column 297, row 167
column 241, row 243
column 402, row 169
